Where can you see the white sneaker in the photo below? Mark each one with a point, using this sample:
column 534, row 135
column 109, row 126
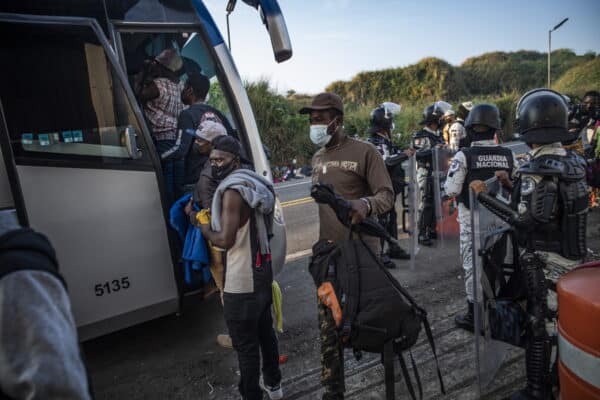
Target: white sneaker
column 274, row 392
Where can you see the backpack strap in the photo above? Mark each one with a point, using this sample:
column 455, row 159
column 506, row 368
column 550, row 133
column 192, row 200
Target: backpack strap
column 432, row 345
column 388, row 365
column 406, row 375
column 350, row 281
column 416, row 372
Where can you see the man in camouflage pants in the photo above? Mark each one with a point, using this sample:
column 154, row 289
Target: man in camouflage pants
column 357, row 173
column 332, row 361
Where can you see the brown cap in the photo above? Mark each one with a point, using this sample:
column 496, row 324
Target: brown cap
column 324, row 101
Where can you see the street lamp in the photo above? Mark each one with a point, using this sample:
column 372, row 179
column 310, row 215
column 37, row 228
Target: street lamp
column 550, row 45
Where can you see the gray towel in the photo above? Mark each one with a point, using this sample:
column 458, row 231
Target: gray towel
column 258, row 193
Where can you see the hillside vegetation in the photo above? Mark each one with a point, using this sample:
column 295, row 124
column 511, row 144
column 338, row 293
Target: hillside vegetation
column 498, row 77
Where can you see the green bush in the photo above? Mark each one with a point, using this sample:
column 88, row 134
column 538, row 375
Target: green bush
column 499, row 78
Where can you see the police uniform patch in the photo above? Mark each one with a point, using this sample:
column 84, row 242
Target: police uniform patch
column 454, row 166
column 527, row 186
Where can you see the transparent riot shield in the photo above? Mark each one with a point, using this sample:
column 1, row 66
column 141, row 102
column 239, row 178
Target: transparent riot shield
column 445, row 212
column 488, row 232
column 410, row 209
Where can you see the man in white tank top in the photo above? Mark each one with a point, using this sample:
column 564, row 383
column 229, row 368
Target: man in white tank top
column 242, row 202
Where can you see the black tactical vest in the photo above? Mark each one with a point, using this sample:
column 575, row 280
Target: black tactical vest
column 558, row 225
column 482, row 163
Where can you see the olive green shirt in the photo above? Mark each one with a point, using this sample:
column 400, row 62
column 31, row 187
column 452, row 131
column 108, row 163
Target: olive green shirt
column 356, row 170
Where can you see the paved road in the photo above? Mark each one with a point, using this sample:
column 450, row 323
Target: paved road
column 293, row 190
column 300, row 214
column 176, row 357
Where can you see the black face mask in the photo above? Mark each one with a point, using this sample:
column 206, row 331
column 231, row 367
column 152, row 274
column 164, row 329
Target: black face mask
column 219, row 173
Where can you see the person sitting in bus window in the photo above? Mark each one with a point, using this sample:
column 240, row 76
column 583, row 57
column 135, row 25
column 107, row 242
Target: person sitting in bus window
column 160, row 93
column 189, row 124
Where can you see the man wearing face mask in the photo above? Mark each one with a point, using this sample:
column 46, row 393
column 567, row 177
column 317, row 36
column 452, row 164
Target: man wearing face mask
column 357, row 173
column 241, row 223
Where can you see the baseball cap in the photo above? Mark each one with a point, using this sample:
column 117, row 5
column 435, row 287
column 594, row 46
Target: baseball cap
column 210, row 130
column 324, row 101
column 169, row 58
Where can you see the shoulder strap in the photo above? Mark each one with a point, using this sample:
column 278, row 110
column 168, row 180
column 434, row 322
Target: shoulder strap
column 350, row 280
column 388, row 366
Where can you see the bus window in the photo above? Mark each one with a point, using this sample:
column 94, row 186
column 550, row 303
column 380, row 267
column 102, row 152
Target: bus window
column 62, row 99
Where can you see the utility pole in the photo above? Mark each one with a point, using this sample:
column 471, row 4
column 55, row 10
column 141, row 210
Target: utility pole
column 550, row 45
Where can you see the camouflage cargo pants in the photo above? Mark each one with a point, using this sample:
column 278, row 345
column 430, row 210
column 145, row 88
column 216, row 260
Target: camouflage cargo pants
column 332, row 356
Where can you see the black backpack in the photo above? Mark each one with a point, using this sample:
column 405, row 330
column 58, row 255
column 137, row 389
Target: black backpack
column 378, row 314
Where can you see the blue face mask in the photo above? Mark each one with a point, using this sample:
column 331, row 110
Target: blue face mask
column 319, row 134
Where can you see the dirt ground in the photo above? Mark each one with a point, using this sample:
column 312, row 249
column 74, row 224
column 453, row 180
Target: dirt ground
column 176, row 357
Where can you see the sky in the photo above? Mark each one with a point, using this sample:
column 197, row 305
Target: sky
column 336, row 39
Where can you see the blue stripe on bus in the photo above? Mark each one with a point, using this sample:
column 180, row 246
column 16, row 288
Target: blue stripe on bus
column 270, row 7
column 208, row 23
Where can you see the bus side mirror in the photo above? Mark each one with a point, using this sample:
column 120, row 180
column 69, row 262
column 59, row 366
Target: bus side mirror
column 271, row 16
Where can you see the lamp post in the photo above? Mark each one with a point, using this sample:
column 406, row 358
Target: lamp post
column 550, row 45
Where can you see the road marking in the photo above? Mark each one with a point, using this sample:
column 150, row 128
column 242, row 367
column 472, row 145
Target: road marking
column 285, row 186
column 297, row 202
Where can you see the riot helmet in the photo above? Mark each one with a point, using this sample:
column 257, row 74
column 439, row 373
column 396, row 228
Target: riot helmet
column 382, row 117
column 434, row 112
column 542, row 117
column 464, row 109
column 482, row 122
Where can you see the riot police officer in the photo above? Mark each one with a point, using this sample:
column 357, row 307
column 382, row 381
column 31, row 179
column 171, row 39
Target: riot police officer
column 477, row 162
column 381, row 126
column 457, row 134
column 549, row 213
column 423, row 142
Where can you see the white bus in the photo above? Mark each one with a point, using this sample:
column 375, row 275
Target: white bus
column 77, row 161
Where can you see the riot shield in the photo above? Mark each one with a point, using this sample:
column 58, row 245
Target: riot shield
column 488, row 234
column 410, row 209
column 445, row 212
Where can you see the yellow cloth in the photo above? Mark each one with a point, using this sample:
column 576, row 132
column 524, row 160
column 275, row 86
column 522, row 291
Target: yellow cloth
column 216, row 254
column 277, row 309
column 203, row 216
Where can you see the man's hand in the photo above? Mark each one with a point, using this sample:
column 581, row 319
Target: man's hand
column 504, row 179
column 188, row 207
column 410, row 152
column 359, row 211
column 478, row 186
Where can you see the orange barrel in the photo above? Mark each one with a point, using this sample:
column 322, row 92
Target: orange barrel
column 579, row 333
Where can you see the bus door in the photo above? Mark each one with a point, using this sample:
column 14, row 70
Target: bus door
column 83, row 171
